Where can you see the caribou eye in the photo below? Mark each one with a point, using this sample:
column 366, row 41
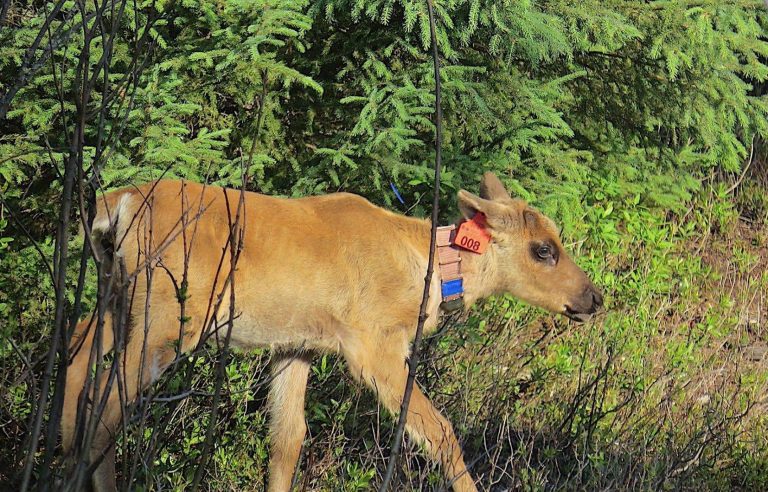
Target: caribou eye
column 544, row 252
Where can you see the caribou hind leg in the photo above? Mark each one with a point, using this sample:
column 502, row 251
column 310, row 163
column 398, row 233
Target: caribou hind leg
column 146, row 356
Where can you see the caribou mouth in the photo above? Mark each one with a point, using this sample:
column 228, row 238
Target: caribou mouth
column 576, row 315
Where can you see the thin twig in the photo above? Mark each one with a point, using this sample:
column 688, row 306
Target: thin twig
column 32, row 241
column 746, row 168
column 413, row 361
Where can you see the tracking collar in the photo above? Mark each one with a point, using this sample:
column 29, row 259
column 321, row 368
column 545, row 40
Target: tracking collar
column 471, row 235
column 449, row 261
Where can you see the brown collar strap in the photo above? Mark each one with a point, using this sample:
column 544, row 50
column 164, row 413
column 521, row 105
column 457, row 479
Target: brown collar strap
column 449, row 261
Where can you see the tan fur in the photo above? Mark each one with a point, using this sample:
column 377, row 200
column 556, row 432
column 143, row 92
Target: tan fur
column 330, row 273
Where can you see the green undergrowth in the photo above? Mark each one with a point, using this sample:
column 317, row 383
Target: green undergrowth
column 659, row 392
column 663, row 390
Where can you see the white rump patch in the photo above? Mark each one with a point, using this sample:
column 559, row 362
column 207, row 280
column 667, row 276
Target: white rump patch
column 114, row 217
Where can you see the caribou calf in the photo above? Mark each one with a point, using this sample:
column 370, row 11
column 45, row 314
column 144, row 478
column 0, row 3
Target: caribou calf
column 328, row 273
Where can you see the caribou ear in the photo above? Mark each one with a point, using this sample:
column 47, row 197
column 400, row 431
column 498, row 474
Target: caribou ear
column 491, row 188
column 470, row 204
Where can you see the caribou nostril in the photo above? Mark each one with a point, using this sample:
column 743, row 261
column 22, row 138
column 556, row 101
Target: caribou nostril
column 597, row 298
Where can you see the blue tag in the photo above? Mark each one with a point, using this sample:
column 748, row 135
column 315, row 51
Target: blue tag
column 396, row 192
column 452, row 287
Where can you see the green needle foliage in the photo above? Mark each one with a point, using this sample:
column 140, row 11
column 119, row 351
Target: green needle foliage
column 319, row 96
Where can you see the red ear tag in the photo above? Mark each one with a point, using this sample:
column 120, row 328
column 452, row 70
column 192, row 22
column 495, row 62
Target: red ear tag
column 473, row 235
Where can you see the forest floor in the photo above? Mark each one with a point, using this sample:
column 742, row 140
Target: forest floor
column 668, row 389
column 665, row 390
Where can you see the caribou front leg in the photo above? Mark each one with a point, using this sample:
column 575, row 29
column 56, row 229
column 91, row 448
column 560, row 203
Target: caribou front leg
column 380, row 363
column 287, row 424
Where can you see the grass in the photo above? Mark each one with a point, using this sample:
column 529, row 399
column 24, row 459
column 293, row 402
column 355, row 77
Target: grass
column 663, row 391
